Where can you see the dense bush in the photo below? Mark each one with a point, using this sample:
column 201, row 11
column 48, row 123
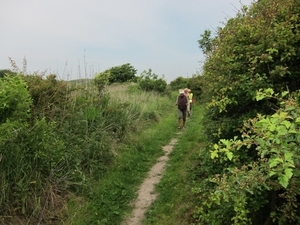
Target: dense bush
column 116, row 74
column 49, row 97
column 179, row 83
column 29, row 152
column 53, row 137
column 259, row 48
column 194, row 83
column 254, row 172
column 56, row 137
column 149, row 81
column 123, row 73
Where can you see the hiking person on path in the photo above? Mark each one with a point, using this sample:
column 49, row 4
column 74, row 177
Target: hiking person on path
column 191, row 98
column 186, row 93
column 182, row 104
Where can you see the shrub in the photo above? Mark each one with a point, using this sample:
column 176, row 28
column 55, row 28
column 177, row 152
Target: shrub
column 265, row 189
column 256, row 49
column 149, row 81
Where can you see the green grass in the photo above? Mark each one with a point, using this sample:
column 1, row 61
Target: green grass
column 176, row 202
column 108, row 200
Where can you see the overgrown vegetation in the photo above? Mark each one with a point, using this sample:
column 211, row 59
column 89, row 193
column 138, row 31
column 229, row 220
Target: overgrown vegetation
column 118, row 74
column 59, row 137
column 252, row 119
column 86, row 144
column 194, row 83
column 149, row 81
column 109, row 198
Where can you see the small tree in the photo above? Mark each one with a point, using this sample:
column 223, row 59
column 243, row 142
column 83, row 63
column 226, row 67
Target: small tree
column 101, row 80
column 121, row 74
column 150, row 82
column 179, row 83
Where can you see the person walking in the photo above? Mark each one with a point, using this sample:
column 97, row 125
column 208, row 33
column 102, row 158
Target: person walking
column 191, row 99
column 182, row 104
column 186, row 93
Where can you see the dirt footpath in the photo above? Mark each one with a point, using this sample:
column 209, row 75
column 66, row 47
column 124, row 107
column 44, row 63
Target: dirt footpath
column 146, row 193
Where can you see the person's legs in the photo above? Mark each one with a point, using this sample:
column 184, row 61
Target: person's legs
column 180, row 116
column 184, row 118
column 188, row 110
column 179, row 123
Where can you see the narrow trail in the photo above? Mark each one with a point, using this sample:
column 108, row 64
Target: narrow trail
column 146, row 192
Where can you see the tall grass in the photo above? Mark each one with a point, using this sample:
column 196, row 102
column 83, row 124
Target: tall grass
column 152, row 105
column 108, row 200
column 69, row 139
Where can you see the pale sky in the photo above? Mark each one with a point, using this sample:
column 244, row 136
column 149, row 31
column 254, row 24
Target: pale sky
column 76, row 39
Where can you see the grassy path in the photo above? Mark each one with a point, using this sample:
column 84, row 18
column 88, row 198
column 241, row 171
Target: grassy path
column 109, row 199
column 176, row 203
column 146, row 192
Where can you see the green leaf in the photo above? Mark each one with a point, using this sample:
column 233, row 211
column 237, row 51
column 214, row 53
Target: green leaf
column 216, row 146
column 269, row 91
column 290, row 108
column 272, row 173
column 277, row 141
column 274, row 162
column 214, row 154
column 284, row 93
column 287, row 124
column 229, row 155
column 259, row 96
column 288, row 173
column 283, row 180
column 272, row 127
column 288, row 156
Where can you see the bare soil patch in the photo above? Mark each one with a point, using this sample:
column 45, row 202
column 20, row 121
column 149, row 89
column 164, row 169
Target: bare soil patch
column 146, row 192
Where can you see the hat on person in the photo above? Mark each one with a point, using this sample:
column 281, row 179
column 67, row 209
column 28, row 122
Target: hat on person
column 181, row 91
column 187, row 90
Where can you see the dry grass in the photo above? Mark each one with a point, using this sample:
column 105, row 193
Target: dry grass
column 129, row 93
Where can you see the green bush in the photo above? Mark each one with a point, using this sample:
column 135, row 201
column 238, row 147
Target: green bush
column 254, row 170
column 116, row 74
column 15, row 100
column 49, row 96
column 256, row 49
column 179, row 83
column 28, row 153
column 272, row 180
column 149, row 81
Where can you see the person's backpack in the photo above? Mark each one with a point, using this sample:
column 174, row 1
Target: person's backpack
column 182, row 102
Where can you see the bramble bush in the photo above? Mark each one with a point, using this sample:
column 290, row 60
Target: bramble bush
column 246, row 189
column 253, row 173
